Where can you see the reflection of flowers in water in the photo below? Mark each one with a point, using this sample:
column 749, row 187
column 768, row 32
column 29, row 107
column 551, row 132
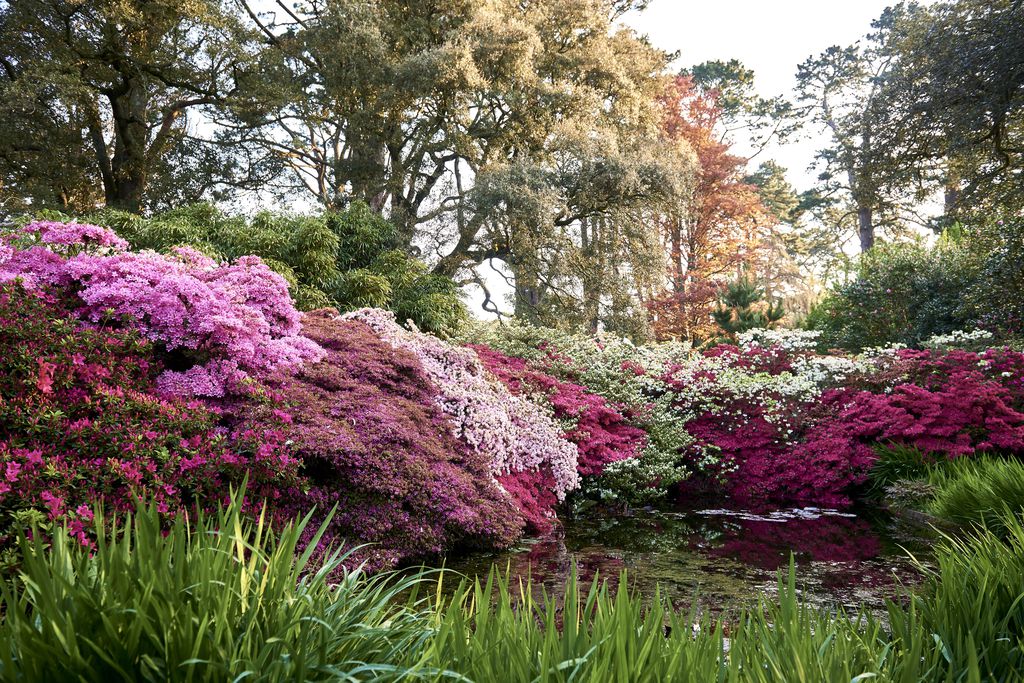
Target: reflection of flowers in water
column 766, row 541
column 549, row 563
column 723, row 559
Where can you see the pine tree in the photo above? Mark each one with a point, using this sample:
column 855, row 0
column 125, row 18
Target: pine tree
column 743, row 306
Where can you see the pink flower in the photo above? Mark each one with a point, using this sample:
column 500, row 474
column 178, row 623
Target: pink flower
column 44, row 379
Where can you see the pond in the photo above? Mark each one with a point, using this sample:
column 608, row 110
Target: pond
column 719, row 559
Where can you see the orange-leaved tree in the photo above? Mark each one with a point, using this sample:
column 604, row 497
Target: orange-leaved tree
column 724, row 228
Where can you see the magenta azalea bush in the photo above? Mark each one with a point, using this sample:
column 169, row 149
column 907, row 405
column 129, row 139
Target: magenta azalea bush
column 771, row 420
column 220, row 324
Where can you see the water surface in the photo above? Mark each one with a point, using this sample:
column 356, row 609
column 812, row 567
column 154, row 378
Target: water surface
column 723, row 559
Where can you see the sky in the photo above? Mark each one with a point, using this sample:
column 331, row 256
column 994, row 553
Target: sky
column 771, row 37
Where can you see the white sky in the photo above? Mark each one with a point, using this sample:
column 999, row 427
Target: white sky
column 769, row 36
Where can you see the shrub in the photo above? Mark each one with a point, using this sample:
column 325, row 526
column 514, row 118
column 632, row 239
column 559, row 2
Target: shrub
column 373, row 441
column 512, row 433
column 216, row 324
column 80, row 425
column 219, row 598
column 600, row 432
column 901, row 293
column 623, row 374
column 347, row 259
column 907, row 293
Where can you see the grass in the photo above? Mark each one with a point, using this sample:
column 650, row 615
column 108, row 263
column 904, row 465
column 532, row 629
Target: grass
column 225, row 600
column 978, row 491
column 219, row 600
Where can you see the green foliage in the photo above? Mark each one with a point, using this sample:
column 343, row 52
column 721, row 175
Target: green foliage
column 907, row 293
column 348, row 259
column 221, row 598
column 897, row 463
column 980, row 491
column 970, row 612
column 994, row 299
column 964, row 625
column 96, row 98
column 495, row 631
column 227, row 599
column 743, row 307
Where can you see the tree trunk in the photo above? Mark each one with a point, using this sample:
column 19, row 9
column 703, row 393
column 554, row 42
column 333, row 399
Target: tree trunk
column 950, row 200
column 129, row 167
column 528, row 295
column 590, row 236
column 865, row 228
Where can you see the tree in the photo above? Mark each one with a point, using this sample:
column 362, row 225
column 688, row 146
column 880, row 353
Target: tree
column 498, row 132
column 724, row 224
column 743, row 307
column 98, row 95
column 869, row 170
column 957, row 84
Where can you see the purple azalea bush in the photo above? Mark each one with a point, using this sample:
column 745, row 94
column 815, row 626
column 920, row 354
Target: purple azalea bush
column 219, row 324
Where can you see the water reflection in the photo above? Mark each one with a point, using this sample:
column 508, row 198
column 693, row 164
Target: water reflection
column 720, row 559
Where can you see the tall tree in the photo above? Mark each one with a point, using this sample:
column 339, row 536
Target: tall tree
column 97, row 95
column 488, row 130
column 868, row 169
column 957, row 88
column 723, row 225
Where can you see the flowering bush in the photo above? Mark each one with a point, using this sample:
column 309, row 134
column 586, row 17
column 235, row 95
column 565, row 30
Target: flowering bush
column 510, row 431
column 79, row 423
column 600, row 432
column 772, row 420
column 374, row 443
column 625, row 375
column 219, row 324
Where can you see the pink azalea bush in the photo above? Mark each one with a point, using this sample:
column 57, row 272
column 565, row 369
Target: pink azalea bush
column 512, row 432
column 80, row 424
column 220, row 324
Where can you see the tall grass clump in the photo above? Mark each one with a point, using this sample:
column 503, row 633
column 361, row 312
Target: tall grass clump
column 220, row 599
column 498, row 631
column 980, row 491
column 966, row 623
column 970, row 610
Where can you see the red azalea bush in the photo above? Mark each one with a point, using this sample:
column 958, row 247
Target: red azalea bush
column 601, row 433
column 818, row 447
column 80, row 423
column 374, row 442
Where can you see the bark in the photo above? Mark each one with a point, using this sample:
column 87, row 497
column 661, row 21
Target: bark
column 528, row 294
column 865, row 228
column 131, row 138
column 589, row 238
